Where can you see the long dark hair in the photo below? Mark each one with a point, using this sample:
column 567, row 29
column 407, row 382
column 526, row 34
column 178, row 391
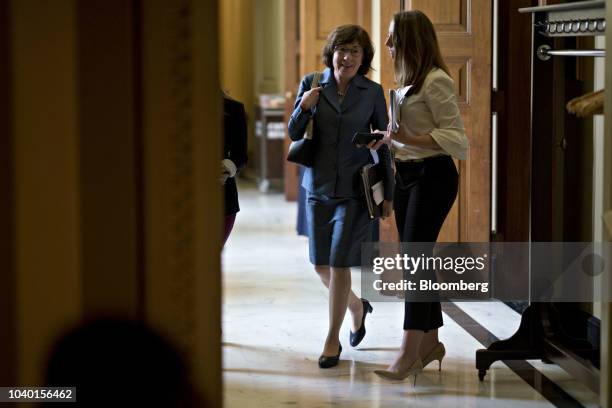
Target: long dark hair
column 416, row 48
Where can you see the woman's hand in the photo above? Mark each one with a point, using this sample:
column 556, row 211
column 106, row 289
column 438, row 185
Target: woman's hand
column 224, row 175
column 385, row 140
column 387, row 209
column 310, row 98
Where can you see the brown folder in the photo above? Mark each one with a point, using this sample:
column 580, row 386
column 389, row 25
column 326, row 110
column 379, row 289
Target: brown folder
column 373, row 188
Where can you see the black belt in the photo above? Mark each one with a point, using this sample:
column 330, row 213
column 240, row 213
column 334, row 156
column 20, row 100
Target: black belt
column 419, row 161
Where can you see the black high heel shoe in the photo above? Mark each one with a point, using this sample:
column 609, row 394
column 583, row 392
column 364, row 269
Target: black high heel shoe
column 330, row 361
column 355, row 338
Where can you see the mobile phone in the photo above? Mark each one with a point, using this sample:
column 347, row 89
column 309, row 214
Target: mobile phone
column 362, row 139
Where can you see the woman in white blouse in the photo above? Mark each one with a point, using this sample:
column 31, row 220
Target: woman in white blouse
column 430, row 134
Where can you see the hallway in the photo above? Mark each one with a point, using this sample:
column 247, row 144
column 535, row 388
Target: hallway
column 275, row 318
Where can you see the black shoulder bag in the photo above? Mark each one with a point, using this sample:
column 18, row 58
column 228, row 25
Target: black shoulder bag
column 302, row 152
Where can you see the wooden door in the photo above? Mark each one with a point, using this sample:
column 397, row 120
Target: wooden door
column 292, row 80
column 388, row 8
column 317, row 19
column 464, row 32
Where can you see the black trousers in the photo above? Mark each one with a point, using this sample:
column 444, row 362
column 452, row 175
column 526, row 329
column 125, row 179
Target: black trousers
column 424, row 194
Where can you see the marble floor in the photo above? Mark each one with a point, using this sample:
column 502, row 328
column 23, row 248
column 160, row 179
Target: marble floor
column 274, row 324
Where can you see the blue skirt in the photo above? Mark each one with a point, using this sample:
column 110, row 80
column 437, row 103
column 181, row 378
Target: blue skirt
column 336, row 229
column 302, row 221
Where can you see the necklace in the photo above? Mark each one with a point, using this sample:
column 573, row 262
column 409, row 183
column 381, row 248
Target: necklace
column 340, row 93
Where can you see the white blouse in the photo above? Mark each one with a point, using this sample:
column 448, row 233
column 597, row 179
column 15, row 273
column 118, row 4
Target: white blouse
column 433, row 111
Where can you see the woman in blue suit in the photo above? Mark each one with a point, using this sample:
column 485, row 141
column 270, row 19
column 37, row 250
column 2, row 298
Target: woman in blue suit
column 345, row 102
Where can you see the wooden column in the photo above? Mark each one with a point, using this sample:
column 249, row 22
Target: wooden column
column 8, row 342
column 109, row 148
column 183, row 198
column 110, row 142
column 46, row 274
column 388, row 228
column 292, row 81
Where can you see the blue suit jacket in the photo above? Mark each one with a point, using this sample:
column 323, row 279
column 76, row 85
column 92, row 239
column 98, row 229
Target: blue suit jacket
column 335, row 172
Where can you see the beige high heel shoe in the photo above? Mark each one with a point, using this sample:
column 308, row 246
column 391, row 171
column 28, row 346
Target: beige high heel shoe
column 414, row 369
column 437, row 353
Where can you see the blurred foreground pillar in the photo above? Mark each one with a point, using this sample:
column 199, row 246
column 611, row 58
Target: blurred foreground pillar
column 110, row 121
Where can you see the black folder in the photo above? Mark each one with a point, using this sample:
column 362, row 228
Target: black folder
column 373, row 188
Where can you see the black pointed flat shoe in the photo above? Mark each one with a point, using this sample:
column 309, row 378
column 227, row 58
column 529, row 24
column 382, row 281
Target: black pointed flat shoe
column 330, row 361
column 355, row 338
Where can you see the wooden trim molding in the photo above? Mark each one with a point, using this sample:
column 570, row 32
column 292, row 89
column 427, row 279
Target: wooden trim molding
column 8, row 342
